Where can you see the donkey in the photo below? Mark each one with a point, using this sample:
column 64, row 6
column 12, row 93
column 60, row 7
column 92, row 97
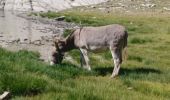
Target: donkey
column 113, row 37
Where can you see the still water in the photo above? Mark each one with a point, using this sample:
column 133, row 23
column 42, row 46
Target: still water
column 13, row 27
column 17, row 33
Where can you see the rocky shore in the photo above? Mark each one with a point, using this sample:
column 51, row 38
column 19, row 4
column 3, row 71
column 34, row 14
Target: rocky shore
column 30, row 33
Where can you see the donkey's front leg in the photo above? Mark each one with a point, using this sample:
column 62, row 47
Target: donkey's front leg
column 84, row 59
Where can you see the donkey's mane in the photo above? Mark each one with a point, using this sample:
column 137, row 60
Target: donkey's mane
column 70, row 34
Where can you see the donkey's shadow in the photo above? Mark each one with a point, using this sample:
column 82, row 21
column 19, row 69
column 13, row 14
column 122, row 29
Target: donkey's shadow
column 125, row 71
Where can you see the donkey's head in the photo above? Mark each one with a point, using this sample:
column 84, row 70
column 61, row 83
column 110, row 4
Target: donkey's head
column 58, row 54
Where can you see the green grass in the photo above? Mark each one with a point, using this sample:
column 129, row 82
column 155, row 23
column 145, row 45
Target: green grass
column 67, row 32
column 23, row 74
column 143, row 76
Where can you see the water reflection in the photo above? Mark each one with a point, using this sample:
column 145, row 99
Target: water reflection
column 14, row 27
column 18, row 33
column 2, row 13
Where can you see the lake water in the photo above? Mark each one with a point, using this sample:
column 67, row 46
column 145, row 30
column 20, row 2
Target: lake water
column 17, row 33
column 13, row 27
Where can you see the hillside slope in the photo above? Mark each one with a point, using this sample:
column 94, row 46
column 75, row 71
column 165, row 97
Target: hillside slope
column 45, row 5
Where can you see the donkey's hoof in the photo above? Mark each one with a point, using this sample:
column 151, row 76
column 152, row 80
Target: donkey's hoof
column 51, row 63
column 113, row 76
column 89, row 69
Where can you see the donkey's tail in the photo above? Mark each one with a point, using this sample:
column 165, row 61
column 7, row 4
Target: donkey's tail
column 125, row 55
column 125, row 38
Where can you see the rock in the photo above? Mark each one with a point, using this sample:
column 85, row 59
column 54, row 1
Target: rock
column 167, row 9
column 5, row 96
column 24, row 41
column 61, row 18
column 37, row 42
column 94, row 17
column 14, row 40
column 131, row 23
column 45, row 38
column 1, row 41
column 148, row 5
column 130, row 88
column 93, row 7
column 101, row 8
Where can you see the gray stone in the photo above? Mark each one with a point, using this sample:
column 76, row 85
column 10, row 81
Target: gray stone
column 37, row 42
column 61, row 18
column 148, row 5
column 5, row 96
column 167, row 9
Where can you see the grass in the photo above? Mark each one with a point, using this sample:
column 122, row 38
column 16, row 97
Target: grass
column 67, row 32
column 143, row 76
column 24, row 75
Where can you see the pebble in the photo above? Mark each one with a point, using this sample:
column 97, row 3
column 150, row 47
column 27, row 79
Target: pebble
column 61, row 18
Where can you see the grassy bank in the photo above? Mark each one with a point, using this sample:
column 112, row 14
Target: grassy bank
column 143, row 76
column 23, row 74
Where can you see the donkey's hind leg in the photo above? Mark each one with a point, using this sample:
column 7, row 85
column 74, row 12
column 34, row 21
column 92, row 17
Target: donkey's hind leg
column 117, row 57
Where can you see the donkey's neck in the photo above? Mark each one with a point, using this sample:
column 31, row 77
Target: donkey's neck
column 69, row 43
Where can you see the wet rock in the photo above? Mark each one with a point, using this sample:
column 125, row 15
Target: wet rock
column 56, row 31
column 37, row 42
column 5, row 96
column 130, row 88
column 102, row 9
column 61, row 18
column 94, row 17
column 167, row 9
column 13, row 41
column 121, row 5
column 93, row 7
column 148, row 5
column 2, row 41
column 46, row 38
column 24, row 41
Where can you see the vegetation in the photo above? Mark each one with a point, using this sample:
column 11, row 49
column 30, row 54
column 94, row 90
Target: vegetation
column 67, row 32
column 143, row 76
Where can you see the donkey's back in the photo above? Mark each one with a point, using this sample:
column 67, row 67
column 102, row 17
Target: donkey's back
column 91, row 38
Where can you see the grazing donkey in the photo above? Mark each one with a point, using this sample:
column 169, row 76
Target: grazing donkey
column 87, row 39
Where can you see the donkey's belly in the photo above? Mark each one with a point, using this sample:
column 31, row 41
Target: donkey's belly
column 97, row 49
